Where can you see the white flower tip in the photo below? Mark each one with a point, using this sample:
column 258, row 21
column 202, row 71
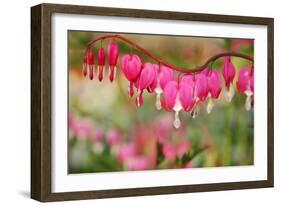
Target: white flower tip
column 248, row 103
column 210, row 105
column 177, row 122
column 158, row 102
column 229, row 93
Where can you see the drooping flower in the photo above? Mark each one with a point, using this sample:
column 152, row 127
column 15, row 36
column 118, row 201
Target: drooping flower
column 178, row 97
column 245, row 85
column 91, row 64
column 199, row 85
column 228, row 73
column 145, row 79
column 214, row 86
column 163, row 76
column 131, row 66
column 113, row 51
column 101, row 62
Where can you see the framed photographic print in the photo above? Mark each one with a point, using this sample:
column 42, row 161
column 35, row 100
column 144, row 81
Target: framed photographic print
column 137, row 102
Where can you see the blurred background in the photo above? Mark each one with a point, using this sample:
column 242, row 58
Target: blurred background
column 107, row 132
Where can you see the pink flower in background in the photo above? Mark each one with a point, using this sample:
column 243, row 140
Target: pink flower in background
column 236, row 44
column 163, row 76
column 113, row 137
column 245, row 85
column 214, row 86
column 145, row 79
column 171, row 151
column 81, row 128
column 126, row 151
column 188, row 165
column 228, row 73
column 97, row 135
column 131, row 66
column 137, row 163
column 113, row 51
column 101, row 62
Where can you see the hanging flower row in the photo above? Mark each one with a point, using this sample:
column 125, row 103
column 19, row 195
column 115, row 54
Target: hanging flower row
column 183, row 93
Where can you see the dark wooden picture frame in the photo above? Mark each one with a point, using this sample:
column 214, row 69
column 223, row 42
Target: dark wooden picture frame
column 41, row 117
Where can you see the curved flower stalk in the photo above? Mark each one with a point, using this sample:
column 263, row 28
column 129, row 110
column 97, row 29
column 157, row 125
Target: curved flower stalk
column 200, row 84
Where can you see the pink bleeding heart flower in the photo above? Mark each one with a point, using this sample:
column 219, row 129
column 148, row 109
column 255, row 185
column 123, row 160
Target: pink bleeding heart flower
column 245, row 85
column 131, row 66
column 163, row 76
column 91, row 64
column 113, row 51
column 186, row 93
column 145, row 79
column 228, row 73
column 200, row 87
column 101, row 62
column 178, row 97
column 214, row 86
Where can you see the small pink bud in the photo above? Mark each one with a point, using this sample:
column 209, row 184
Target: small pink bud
column 113, row 51
column 228, row 71
column 91, row 64
column 101, row 62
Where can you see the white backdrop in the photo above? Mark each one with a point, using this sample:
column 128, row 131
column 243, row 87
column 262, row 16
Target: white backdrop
column 15, row 102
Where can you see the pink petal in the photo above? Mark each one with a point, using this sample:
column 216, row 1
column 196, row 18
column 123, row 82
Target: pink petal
column 170, row 94
column 186, row 95
column 147, row 76
column 243, row 81
column 214, row 84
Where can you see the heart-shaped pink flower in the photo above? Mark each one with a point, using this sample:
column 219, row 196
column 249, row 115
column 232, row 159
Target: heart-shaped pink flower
column 163, row 76
column 245, row 85
column 145, row 79
column 131, row 66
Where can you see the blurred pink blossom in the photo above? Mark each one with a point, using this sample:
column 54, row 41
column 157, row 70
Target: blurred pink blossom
column 137, row 163
column 113, row 137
